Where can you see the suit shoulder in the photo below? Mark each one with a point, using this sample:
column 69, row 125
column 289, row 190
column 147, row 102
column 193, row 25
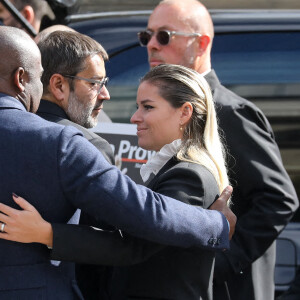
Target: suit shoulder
column 198, row 170
column 191, row 181
column 228, row 100
column 101, row 144
column 233, row 109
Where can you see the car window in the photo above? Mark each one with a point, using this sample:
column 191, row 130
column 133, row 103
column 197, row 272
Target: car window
column 124, row 71
column 258, row 66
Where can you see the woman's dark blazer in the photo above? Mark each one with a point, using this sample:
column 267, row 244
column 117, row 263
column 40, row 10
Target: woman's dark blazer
column 173, row 273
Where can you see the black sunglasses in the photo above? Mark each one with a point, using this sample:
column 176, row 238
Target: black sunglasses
column 162, row 36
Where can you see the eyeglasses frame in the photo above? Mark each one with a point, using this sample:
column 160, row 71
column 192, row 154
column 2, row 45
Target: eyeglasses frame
column 101, row 83
column 170, row 33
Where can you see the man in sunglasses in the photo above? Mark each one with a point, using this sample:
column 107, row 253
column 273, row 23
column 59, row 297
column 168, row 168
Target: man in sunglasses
column 264, row 200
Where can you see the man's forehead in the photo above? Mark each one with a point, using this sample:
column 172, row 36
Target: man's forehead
column 95, row 63
column 167, row 17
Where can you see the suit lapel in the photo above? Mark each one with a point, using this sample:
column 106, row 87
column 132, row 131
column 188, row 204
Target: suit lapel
column 150, row 183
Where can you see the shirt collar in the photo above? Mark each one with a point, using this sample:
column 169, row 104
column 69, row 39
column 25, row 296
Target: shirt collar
column 7, row 101
column 206, row 72
column 156, row 162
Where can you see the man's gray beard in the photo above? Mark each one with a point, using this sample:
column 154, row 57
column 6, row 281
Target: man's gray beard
column 80, row 113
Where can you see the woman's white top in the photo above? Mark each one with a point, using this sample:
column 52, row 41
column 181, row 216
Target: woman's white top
column 156, row 162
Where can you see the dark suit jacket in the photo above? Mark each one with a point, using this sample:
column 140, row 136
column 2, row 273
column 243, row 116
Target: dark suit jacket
column 90, row 278
column 264, row 198
column 58, row 170
column 172, row 272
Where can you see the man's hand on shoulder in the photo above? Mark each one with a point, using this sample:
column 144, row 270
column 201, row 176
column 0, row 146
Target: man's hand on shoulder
column 221, row 205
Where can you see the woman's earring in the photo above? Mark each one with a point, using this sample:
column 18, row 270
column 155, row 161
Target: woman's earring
column 181, row 128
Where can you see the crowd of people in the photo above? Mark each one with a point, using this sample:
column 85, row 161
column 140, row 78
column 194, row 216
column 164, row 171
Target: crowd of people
column 129, row 241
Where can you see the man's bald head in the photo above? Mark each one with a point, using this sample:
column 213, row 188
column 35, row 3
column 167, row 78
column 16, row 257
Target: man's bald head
column 20, row 67
column 16, row 47
column 193, row 13
column 189, row 16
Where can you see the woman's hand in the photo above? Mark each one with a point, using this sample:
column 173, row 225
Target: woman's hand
column 25, row 226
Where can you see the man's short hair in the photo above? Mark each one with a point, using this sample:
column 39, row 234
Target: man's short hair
column 65, row 52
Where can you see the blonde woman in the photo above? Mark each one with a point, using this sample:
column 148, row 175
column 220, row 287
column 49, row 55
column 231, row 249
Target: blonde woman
column 175, row 116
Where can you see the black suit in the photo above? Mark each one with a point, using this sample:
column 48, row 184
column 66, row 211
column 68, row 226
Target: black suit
column 90, row 278
column 264, row 198
column 172, row 272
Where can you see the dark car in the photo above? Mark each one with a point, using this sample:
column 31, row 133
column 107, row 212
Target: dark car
column 255, row 53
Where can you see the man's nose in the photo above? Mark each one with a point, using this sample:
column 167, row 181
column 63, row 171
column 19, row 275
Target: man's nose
column 153, row 43
column 104, row 94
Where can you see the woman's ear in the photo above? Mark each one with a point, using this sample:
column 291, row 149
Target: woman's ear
column 186, row 113
column 19, row 79
column 58, row 87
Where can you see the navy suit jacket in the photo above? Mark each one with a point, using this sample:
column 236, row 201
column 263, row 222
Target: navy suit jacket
column 58, row 171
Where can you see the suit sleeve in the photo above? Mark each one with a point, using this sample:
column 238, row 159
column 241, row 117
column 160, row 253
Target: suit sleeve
column 104, row 147
column 264, row 197
column 89, row 245
column 101, row 190
column 84, row 244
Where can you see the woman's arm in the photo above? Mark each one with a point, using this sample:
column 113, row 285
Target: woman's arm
column 78, row 243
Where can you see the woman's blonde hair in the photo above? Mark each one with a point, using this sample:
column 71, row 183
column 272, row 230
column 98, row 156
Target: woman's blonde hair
column 201, row 140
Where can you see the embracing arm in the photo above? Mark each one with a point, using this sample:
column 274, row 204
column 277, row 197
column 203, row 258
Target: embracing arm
column 91, row 184
column 77, row 243
column 82, row 244
column 88, row 245
column 104, row 192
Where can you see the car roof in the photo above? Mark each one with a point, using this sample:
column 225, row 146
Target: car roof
column 105, row 26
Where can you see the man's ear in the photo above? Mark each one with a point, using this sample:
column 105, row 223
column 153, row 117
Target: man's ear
column 59, row 87
column 28, row 14
column 186, row 113
column 19, row 79
column 204, row 42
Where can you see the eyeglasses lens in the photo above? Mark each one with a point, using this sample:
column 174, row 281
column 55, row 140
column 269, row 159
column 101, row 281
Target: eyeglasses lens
column 163, row 37
column 102, row 84
column 144, row 38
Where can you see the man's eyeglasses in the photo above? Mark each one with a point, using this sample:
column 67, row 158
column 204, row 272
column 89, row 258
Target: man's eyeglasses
column 97, row 84
column 162, row 36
